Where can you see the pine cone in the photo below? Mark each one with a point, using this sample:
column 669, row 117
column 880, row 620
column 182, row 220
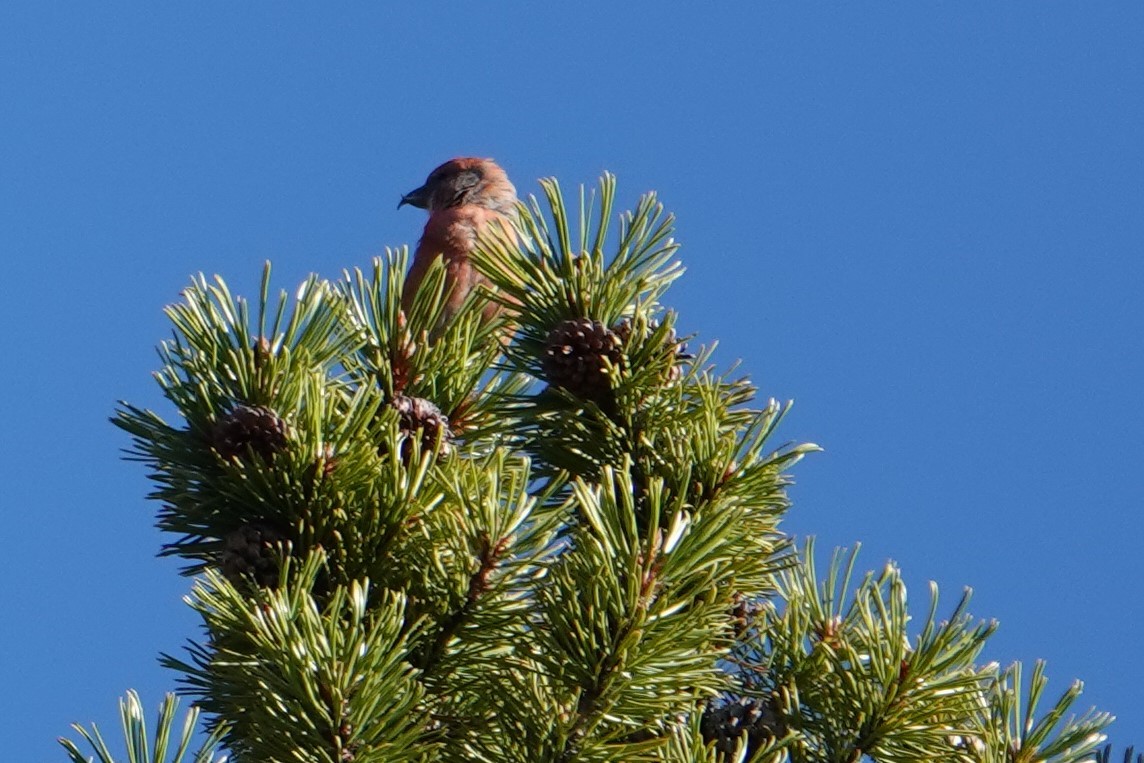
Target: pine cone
column 250, row 427
column 745, row 615
column 250, row 552
column 418, row 413
column 725, row 722
column 574, row 357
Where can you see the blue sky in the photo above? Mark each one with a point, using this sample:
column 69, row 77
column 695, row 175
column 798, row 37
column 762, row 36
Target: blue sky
column 921, row 220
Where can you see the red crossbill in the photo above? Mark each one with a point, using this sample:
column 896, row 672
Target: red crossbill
column 463, row 196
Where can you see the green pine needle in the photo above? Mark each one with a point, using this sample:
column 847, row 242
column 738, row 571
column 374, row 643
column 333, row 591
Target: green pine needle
column 141, row 748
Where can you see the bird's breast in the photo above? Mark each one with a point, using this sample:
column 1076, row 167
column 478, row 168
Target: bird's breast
column 453, row 232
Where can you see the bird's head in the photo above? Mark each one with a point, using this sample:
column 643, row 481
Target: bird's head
column 466, row 180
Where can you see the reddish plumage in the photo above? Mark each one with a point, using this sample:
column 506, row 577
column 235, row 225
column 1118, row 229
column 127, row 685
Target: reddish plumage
column 464, row 197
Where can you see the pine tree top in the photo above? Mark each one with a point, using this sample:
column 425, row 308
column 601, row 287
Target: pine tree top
column 545, row 534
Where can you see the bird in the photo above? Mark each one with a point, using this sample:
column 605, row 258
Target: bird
column 464, row 197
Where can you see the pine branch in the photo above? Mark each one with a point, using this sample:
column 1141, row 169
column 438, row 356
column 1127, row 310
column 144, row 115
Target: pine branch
column 144, row 749
column 1105, row 755
column 848, row 680
column 1015, row 734
column 419, row 541
column 279, row 674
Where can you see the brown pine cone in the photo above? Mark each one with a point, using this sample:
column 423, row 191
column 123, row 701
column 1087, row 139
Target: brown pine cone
column 574, row 357
column 248, row 428
column 417, row 413
column 251, row 552
column 725, row 722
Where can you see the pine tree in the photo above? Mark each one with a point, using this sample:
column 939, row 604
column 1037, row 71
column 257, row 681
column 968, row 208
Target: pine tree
column 549, row 536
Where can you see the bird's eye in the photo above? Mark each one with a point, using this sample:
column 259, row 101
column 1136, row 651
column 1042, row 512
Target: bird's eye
column 468, row 178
